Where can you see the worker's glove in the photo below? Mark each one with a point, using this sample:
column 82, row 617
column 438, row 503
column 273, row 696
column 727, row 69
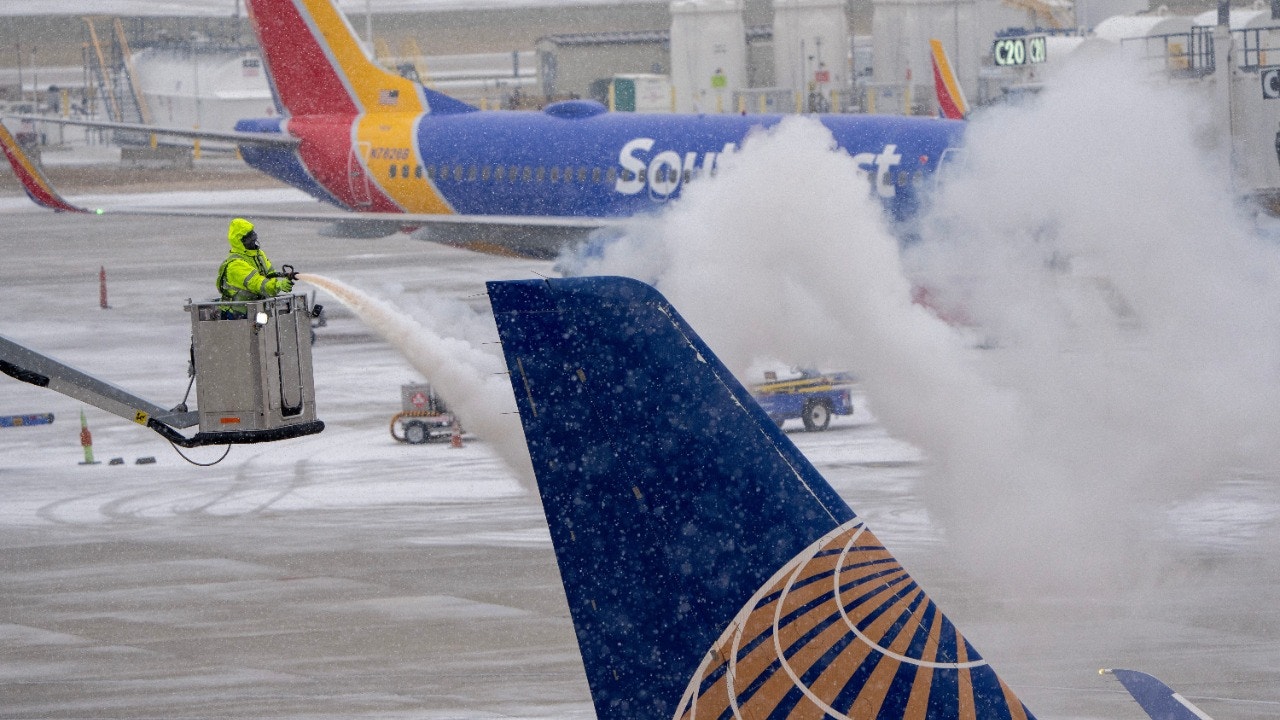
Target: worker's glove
column 279, row 285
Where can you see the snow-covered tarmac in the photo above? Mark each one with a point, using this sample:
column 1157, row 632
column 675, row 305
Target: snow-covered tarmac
column 347, row 575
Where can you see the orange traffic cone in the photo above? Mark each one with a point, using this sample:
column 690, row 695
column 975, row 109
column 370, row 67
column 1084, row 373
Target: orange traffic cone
column 102, row 288
column 456, row 440
column 86, row 440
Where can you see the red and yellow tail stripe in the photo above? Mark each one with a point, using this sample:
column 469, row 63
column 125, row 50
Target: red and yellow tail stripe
column 318, row 67
column 950, row 95
column 357, row 121
column 33, row 181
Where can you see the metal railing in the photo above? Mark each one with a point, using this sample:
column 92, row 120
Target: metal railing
column 1192, row 54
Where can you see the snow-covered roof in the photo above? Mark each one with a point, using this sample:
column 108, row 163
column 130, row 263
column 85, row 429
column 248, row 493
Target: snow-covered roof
column 1240, row 19
column 1121, row 27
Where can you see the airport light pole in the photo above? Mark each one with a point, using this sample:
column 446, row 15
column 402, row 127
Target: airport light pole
column 22, row 91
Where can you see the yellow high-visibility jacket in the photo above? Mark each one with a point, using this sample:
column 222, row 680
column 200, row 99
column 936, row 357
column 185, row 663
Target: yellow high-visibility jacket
column 243, row 275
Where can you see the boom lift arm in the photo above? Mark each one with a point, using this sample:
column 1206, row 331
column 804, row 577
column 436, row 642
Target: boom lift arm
column 253, row 375
column 27, row 365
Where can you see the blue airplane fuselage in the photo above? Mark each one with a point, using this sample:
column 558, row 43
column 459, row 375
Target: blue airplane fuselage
column 571, row 160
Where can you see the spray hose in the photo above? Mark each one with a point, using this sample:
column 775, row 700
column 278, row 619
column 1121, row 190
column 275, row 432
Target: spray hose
column 285, row 271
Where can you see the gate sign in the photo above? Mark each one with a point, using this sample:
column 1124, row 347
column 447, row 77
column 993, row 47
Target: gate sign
column 1019, row 50
column 1270, row 83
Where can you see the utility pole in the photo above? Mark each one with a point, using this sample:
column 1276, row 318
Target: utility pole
column 1223, row 58
column 955, row 26
column 21, row 88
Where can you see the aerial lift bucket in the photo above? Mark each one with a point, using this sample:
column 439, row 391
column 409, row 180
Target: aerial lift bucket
column 252, row 369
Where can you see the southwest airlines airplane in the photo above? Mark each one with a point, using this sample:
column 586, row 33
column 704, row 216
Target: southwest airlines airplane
column 397, row 155
column 710, row 570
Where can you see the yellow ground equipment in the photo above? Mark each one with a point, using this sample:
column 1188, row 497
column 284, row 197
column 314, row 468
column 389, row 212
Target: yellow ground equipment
column 423, row 416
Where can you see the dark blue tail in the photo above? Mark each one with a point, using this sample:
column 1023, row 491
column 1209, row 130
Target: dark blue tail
column 710, row 570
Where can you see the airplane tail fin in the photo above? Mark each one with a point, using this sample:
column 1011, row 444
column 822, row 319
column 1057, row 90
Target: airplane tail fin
column 950, row 95
column 1158, row 700
column 36, row 185
column 317, row 67
column 710, row 570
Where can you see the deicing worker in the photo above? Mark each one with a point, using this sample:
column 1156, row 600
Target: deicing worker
column 246, row 274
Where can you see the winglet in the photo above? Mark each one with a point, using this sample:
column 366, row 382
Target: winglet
column 710, row 570
column 950, row 95
column 1156, row 699
column 33, row 181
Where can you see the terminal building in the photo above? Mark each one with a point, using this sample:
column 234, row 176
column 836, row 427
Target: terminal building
column 705, row 56
column 717, row 55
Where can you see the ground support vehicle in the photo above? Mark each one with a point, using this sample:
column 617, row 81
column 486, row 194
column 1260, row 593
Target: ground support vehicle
column 25, row 420
column 813, row 398
column 423, row 416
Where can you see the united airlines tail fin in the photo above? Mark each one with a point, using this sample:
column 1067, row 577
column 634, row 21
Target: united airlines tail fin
column 1158, row 700
column 33, row 180
column 950, row 95
column 710, row 570
column 317, row 66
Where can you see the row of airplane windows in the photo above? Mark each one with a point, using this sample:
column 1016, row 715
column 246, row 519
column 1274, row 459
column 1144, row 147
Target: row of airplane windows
column 528, row 173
